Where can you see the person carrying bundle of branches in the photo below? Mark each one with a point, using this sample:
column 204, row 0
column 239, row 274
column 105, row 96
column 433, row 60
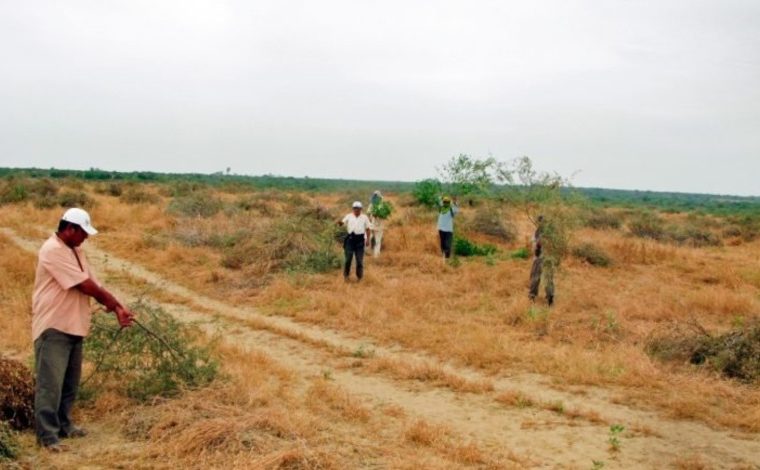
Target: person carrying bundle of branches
column 379, row 210
column 61, row 315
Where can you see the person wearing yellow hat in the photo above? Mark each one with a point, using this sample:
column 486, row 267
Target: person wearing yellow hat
column 447, row 210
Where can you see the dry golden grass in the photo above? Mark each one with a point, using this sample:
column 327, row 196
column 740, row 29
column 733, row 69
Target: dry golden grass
column 475, row 315
column 17, row 275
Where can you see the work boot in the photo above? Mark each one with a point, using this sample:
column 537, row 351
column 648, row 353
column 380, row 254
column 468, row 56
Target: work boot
column 550, row 300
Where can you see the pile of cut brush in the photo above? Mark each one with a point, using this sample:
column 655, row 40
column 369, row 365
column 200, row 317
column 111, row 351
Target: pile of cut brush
column 735, row 354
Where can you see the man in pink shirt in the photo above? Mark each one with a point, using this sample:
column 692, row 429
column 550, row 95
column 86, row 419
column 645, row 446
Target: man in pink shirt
column 61, row 314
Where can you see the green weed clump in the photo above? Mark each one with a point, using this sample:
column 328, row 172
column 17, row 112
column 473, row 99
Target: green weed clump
column 16, row 394
column 464, row 247
column 520, row 253
column 157, row 357
column 592, row 254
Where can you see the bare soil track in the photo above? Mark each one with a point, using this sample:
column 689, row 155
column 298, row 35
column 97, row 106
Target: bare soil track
column 571, row 433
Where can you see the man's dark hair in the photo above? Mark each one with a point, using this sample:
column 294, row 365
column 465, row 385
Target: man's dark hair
column 64, row 224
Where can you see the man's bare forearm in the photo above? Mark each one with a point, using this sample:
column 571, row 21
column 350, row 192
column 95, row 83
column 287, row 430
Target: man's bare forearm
column 105, row 298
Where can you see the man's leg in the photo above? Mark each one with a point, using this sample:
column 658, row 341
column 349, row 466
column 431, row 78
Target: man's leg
column 442, row 237
column 348, row 250
column 51, row 352
column 535, row 277
column 448, row 238
column 378, row 242
column 549, row 280
column 70, row 387
column 359, row 251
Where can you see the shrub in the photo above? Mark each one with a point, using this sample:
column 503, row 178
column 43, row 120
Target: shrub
column 16, row 394
column 692, row 235
column 592, row 254
column 136, row 195
column 9, row 446
column 492, row 221
column 158, row 356
column 110, row 189
column 601, row 219
column 735, row 354
column 647, row 225
column 464, row 247
column 426, row 192
column 75, row 199
column 13, row 191
column 196, row 204
column 301, row 242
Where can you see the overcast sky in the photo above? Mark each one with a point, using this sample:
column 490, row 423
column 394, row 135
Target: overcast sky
column 660, row 94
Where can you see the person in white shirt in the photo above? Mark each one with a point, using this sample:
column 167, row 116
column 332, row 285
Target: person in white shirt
column 358, row 226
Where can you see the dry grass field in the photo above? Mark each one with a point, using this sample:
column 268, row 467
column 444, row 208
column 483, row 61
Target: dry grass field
column 423, row 364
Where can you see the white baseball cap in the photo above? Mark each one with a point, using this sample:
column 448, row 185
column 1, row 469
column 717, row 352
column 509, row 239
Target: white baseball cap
column 357, row 204
column 81, row 218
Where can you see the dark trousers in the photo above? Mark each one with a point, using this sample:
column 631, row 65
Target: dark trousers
column 545, row 269
column 58, row 366
column 446, row 240
column 354, row 246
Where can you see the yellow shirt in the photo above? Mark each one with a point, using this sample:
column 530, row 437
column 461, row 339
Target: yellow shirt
column 56, row 303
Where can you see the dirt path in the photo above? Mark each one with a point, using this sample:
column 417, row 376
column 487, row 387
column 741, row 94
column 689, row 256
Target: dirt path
column 547, row 438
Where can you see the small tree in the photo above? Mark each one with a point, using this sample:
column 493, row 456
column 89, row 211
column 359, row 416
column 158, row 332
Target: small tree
column 467, row 176
column 426, row 192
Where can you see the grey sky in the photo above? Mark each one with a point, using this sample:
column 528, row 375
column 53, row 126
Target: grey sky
column 661, row 95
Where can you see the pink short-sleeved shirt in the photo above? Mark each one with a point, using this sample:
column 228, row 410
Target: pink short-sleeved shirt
column 56, row 302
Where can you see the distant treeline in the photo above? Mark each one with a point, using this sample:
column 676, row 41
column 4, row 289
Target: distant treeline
column 664, row 201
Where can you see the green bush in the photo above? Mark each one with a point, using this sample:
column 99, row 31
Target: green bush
column 592, row 254
column 196, row 204
column 9, row 446
column 157, row 357
column 464, row 247
column 426, row 192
